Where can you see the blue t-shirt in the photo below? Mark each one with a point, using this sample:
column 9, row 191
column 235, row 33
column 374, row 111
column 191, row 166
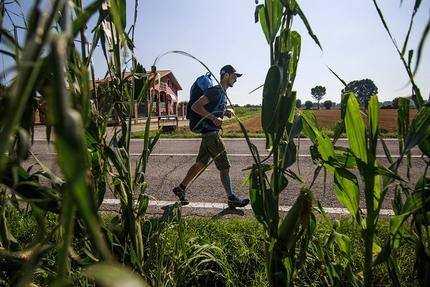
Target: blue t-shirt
column 213, row 96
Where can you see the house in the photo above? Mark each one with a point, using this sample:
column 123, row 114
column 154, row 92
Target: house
column 164, row 93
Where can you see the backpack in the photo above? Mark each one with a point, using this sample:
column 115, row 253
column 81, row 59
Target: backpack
column 199, row 88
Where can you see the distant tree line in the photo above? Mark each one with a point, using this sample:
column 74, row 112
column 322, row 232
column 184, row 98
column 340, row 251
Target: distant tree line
column 363, row 90
column 394, row 104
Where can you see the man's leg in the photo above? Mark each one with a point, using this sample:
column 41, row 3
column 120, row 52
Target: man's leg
column 192, row 172
column 201, row 161
column 233, row 200
column 226, row 182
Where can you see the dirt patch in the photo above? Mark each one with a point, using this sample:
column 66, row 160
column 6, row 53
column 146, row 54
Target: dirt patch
column 327, row 119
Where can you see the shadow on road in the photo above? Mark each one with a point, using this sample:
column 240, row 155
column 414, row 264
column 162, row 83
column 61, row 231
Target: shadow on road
column 229, row 211
column 170, row 211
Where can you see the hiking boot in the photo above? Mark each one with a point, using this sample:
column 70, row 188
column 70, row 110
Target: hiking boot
column 181, row 194
column 237, row 202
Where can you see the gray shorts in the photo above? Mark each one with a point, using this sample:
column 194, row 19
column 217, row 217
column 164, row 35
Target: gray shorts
column 212, row 146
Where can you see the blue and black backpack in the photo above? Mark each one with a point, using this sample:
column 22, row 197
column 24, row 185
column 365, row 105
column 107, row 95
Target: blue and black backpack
column 199, row 88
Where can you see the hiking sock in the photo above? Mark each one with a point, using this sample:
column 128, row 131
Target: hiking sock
column 182, row 187
column 230, row 189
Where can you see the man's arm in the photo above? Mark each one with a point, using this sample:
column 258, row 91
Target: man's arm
column 199, row 108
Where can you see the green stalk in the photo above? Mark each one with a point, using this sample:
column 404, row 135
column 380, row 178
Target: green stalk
column 72, row 153
column 67, row 222
column 368, row 234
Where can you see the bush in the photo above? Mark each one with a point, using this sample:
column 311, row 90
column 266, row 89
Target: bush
column 328, row 104
column 308, row 105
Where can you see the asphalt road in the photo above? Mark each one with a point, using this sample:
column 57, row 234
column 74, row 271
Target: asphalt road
column 172, row 157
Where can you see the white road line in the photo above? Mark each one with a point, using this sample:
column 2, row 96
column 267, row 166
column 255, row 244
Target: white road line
column 249, row 155
column 329, row 210
column 230, row 155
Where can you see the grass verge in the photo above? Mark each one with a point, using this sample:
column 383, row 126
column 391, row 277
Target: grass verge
column 236, row 243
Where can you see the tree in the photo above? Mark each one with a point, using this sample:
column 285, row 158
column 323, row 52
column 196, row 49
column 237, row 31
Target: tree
column 328, row 104
column 298, row 103
column 395, row 103
column 139, row 81
column 318, row 94
column 363, row 90
column 105, row 97
column 308, row 105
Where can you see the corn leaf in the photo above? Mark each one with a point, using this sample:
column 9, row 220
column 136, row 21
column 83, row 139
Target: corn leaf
column 270, row 18
column 271, row 98
column 373, row 112
column 356, row 130
column 256, row 196
column 290, row 225
column 419, row 129
column 347, row 191
column 110, row 275
column 308, row 26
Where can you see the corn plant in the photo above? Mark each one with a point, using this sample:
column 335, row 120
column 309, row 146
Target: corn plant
column 361, row 155
column 47, row 74
column 375, row 179
column 409, row 136
column 127, row 182
column 62, row 77
column 287, row 238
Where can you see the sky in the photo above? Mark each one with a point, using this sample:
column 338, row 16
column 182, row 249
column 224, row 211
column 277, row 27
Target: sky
column 354, row 43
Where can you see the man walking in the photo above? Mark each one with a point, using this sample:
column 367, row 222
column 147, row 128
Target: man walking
column 212, row 145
